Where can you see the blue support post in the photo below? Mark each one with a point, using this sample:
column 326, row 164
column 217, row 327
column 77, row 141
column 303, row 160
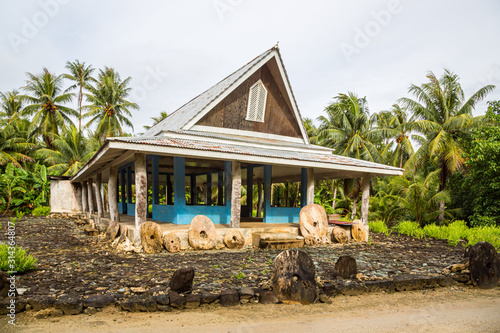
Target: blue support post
column 228, row 176
column 303, row 187
column 156, row 179
column 169, row 191
column 122, row 189
column 220, row 186
column 250, row 190
column 193, row 190
column 267, row 190
column 179, row 187
column 209, row 189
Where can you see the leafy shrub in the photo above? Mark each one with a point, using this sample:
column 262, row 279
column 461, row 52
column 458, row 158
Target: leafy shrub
column 41, row 211
column 407, row 228
column 379, row 226
column 23, row 261
column 434, row 231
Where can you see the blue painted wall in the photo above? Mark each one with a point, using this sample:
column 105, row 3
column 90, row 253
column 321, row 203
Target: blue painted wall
column 130, row 209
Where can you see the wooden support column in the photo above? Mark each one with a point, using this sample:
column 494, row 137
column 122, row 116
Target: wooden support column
column 170, row 191
column 259, row 200
column 310, row 186
column 250, row 190
column 85, row 200
column 141, row 190
column 129, row 185
column 155, row 170
column 123, row 178
column 220, row 188
column 208, row 190
column 267, row 191
column 365, row 198
column 112, row 194
column 194, row 193
column 98, row 198
column 90, row 196
column 303, row 187
column 235, row 194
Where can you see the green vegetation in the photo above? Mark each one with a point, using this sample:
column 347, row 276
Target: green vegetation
column 453, row 232
column 41, row 211
column 239, row 275
column 23, row 261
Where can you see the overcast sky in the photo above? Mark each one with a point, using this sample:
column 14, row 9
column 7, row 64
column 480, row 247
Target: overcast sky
column 174, row 50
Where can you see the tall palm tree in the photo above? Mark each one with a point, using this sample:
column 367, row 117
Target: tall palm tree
column 14, row 148
column 156, row 120
column 10, row 106
column 109, row 109
column 46, row 101
column 347, row 129
column 442, row 114
column 81, row 75
column 72, row 151
column 396, row 126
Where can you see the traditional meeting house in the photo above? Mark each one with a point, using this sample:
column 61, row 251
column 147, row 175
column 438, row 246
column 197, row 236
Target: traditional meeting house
column 244, row 131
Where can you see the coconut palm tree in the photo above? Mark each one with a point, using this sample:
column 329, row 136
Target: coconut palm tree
column 347, row 129
column 46, row 101
column 13, row 147
column 10, row 106
column 396, row 126
column 156, row 120
column 82, row 76
column 109, row 109
column 72, row 151
column 442, row 114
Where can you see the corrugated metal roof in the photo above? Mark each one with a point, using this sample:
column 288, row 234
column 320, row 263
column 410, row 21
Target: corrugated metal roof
column 188, row 111
column 274, row 152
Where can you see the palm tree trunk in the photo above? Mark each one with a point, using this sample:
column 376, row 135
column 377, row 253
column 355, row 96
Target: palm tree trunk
column 259, row 201
column 80, row 109
column 334, row 201
column 354, row 206
column 443, row 176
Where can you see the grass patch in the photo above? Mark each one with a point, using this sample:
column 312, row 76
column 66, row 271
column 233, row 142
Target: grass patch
column 41, row 211
column 23, row 260
column 380, row 227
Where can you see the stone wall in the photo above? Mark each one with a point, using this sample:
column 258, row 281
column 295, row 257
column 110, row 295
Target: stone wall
column 65, row 197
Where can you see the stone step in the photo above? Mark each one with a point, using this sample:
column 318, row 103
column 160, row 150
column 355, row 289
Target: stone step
column 281, row 244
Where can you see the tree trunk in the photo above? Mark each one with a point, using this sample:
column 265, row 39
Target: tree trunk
column 80, row 108
column 442, row 177
column 259, row 201
column 354, row 206
column 334, row 201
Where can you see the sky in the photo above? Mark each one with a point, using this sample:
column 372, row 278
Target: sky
column 174, row 50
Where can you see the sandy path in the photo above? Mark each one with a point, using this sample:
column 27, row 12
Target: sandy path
column 445, row 310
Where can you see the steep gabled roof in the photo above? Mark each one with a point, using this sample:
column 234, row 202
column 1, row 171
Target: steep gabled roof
column 190, row 113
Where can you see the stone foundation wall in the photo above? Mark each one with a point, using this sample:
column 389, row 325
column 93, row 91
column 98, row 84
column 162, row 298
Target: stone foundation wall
column 65, row 197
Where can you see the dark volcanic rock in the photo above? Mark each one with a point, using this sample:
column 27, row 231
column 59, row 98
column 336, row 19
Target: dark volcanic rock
column 69, row 304
column 136, row 303
column 192, row 301
column 229, row 297
column 98, row 300
column 208, row 297
column 268, row 297
column 41, row 302
column 484, row 265
column 381, row 285
column 409, row 282
column 294, row 277
column 176, row 300
column 162, row 299
column 182, row 280
column 346, row 267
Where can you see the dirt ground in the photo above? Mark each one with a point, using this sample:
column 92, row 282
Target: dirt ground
column 452, row 309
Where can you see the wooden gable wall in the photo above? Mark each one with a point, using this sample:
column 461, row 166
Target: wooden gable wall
column 279, row 117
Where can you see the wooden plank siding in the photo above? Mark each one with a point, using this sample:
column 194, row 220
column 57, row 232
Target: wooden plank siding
column 231, row 112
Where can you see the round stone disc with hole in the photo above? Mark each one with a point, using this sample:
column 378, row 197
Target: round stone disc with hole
column 172, row 242
column 234, row 239
column 202, row 234
column 294, row 277
column 313, row 222
column 151, row 237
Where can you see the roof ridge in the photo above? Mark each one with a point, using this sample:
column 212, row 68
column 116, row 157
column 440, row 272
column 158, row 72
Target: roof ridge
column 205, row 91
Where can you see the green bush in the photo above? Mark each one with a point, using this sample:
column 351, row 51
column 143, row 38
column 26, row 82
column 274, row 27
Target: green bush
column 379, row 226
column 41, row 211
column 23, row 261
column 407, row 228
